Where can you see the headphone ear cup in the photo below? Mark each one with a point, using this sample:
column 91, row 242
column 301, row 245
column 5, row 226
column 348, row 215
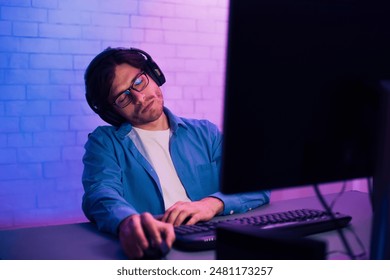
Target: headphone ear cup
column 91, row 104
column 151, row 68
column 155, row 72
column 107, row 116
column 112, row 118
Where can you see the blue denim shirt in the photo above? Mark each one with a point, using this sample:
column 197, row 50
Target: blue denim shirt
column 118, row 181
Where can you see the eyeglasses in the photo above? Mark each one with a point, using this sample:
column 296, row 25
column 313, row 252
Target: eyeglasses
column 139, row 83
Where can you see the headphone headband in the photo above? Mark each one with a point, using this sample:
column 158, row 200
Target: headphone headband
column 152, row 69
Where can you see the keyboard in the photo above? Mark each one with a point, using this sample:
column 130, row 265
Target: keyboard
column 299, row 222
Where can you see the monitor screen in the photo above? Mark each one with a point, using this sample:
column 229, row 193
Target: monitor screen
column 302, row 83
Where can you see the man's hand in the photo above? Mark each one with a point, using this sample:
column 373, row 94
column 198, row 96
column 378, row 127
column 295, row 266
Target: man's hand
column 135, row 230
column 193, row 212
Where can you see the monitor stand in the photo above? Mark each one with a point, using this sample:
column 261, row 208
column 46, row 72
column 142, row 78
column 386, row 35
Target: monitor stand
column 250, row 243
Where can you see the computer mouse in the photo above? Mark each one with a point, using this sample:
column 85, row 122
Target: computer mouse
column 156, row 252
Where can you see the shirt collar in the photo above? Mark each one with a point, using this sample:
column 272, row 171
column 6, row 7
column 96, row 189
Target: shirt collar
column 174, row 123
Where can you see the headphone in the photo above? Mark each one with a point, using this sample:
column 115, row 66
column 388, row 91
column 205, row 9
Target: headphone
column 151, row 69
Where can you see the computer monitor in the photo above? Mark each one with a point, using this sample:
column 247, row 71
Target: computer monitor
column 305, row 82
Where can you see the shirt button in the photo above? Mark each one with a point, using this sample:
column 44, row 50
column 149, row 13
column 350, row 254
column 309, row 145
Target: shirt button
column 231, row 212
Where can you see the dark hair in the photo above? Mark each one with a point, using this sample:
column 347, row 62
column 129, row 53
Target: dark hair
column 100, row 75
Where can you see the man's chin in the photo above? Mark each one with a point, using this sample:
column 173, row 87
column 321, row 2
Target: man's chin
column 148, row 117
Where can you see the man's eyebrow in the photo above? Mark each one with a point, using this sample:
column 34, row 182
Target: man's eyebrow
column 118, row 92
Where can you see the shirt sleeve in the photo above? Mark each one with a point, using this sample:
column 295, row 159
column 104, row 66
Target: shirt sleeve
column 240, row 203
column 103, row 202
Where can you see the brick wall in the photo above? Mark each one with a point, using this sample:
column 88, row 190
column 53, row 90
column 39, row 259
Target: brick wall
column 45, row 46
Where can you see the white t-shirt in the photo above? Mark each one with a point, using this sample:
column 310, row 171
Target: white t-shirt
column 154, row 146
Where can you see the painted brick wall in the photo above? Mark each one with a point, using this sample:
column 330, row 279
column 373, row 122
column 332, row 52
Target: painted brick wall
column 45, row 46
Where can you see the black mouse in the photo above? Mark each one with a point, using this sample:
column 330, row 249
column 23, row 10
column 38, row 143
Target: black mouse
column 156, row 252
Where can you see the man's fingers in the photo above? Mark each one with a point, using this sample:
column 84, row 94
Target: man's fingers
column 193, row 220
column 178, row 213
column 131, row 238
column 149, row 225
column 138, row 233
column 157, row 231
column 169, row 234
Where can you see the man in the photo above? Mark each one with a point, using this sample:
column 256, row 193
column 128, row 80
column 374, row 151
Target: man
column 149, row 162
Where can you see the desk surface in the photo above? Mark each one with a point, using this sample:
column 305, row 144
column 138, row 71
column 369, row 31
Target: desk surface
column 83, row 241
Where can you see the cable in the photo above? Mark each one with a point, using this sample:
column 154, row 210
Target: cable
column 370, row 188
column 358, row 240
column 361, row 255
column 339, row 231
column 344, row 186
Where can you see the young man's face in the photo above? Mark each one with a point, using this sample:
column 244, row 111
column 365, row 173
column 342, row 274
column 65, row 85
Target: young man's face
column 146, row 106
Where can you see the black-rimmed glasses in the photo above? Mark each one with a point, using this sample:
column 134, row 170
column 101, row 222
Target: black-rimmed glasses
column 139, row 83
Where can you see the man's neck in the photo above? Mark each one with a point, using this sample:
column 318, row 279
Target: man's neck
column 160, row 124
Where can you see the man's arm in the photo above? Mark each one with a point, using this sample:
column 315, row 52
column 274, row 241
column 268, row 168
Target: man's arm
column 103, row 201
column 216, row 204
